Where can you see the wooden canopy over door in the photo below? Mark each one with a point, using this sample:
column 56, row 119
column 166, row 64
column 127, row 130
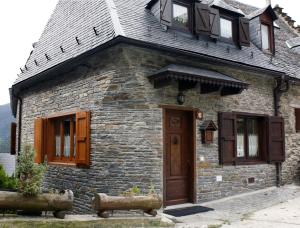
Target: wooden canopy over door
column 179, row 157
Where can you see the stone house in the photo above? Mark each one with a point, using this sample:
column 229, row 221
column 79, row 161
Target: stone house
column 192, row 98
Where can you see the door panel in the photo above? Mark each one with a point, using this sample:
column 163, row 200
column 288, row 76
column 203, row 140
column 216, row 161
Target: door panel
column 179, row 155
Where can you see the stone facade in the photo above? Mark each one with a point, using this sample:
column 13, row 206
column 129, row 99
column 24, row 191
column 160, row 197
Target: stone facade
column 126, row 124
column 289, row 101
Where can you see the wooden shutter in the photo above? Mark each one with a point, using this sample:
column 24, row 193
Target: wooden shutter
column 39, row 140
column 214, row 21
column 202, row 25
column 227, row 138
column 297, row 119
column 166, row 12
column 83, row 138
column 244, row 34
column 276, row 139
column 13, row 137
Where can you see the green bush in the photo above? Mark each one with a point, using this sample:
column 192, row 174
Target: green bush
column 30, row 174
column 7, row 182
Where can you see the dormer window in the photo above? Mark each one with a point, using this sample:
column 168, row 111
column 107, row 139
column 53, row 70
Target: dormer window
column 265, row 37
column 226, row 28
column 181, row 15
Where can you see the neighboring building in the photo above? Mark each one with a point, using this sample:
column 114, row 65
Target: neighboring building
column 6, row 125
column 189, row 98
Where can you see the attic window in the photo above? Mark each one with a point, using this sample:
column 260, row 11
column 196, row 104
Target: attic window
column 181, row 15
column 265, row 37
column 226, row 28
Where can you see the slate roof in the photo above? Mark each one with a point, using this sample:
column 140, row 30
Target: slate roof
column 112, row 18
column 294, row 42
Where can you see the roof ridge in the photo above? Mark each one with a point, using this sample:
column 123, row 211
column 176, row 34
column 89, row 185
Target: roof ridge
column 115, row 18
column 287, row 19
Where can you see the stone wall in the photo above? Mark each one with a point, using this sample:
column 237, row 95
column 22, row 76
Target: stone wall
column 288, row 103
column 288, row 59
column 126, row 125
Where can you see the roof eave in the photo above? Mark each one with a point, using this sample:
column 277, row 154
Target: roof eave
column 42, row 76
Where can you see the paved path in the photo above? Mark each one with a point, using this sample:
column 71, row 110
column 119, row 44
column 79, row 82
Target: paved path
column 282, row 215
column 238, row 210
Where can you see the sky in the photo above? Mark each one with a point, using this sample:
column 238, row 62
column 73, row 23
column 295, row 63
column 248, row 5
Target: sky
column 22, row 22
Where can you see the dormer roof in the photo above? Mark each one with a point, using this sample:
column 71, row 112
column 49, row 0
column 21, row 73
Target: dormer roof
column 259, row 12
column 223, row 5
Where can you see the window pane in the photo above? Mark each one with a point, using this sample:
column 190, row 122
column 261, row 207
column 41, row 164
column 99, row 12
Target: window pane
column 180, row 15
column 253, row 138
column 67, row 126
column 57, row 138
column 226, row 28
column 265, row 37
column 240, row 138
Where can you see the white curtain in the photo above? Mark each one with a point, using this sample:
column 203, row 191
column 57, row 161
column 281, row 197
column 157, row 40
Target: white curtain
column 253, row 145
column 265, row 37
column 253, row 138
column 57, row 145
column 240, row 145
column 67, row 146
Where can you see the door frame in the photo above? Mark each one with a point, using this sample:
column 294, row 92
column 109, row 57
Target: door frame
column 194, row 171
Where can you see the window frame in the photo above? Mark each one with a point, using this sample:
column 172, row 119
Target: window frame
column 189, row 7
column 222, row 37
column 62, row 158
column 246, row 159
column 234, row 25
column 266, row 20
column 269, row 37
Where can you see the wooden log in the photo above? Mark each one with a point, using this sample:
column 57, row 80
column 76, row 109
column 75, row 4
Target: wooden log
column 42, row 202
column 102, row 202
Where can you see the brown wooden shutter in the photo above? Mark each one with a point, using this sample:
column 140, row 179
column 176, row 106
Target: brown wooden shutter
column 50, row 139
column 297, row 119
column 214, row 18
column 227, row 138
column 166, row 12
column 244, row 34
column 39, row 140
column 276, row 139
column 83, row 138
column 202, row 25
column 13, row 137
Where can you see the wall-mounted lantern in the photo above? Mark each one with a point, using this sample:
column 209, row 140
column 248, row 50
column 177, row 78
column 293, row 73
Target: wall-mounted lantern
column 180, row 98
column 199, row 115
column 207, row 129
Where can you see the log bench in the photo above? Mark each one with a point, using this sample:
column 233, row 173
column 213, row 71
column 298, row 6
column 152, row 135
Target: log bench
column 103, row 203
column 58, row 203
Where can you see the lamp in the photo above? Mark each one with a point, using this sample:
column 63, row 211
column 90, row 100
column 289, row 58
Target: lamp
column 180, row 98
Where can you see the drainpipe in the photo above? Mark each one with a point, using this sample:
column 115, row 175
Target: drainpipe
column 283, row 86
column 20, row 101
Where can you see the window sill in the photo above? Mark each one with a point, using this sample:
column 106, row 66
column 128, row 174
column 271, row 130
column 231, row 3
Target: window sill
column 239, row 163
column 62, row 164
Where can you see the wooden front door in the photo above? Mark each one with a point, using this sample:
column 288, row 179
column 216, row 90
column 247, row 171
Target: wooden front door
column 179, row 157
